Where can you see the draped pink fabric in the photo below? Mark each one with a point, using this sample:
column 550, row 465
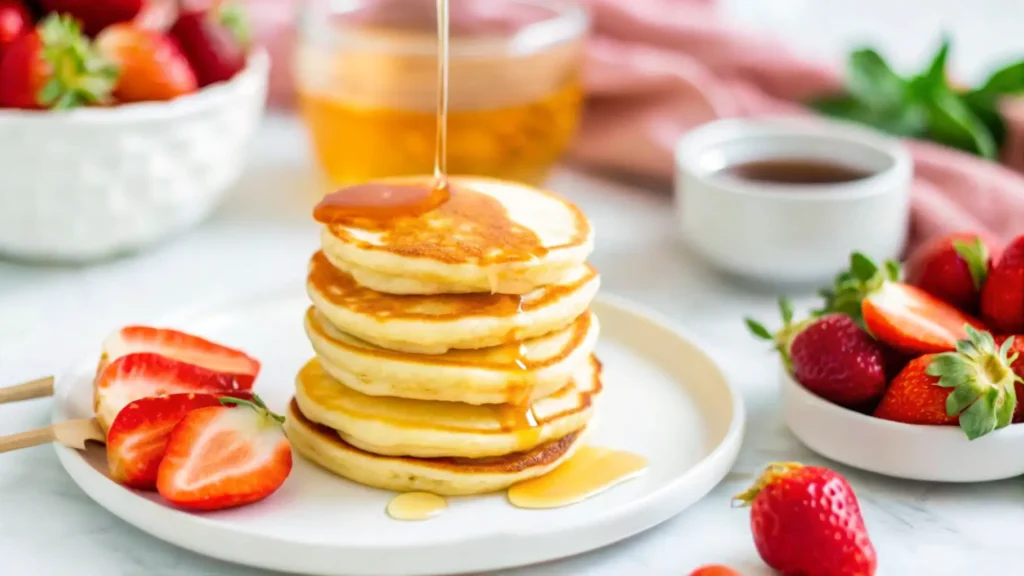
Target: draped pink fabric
column 656, row 68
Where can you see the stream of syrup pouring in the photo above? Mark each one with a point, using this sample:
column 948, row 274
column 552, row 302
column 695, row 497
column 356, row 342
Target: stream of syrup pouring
column 588, row 472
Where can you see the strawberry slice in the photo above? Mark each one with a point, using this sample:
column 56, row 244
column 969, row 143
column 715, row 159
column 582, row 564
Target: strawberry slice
column 145, row 374
column 220, row 458
column 183, row 347
column 903, row 316
column 138, row 436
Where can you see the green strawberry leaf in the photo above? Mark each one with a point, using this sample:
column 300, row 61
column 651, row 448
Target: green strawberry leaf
column 758, row 329
column 982, row 391
column 786, row 309
column 975, row 255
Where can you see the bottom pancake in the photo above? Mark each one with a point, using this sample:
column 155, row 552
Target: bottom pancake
column 442, row 476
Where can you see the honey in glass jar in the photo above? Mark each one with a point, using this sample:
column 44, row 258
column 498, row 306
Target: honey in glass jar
column 366, row 75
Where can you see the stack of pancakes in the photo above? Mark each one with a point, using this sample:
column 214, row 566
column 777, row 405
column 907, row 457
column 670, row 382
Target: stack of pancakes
column 454, row 349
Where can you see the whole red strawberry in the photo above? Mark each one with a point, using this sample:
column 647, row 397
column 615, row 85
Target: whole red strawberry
column 837, row 360
column 95, row 15
column 952, row 268
column 806, row 521
column 974, row 386
column 1002, row 298
column 216, row 41
column 831, row 356
column 1016, row 359
column 15, row 22
column 54, row 67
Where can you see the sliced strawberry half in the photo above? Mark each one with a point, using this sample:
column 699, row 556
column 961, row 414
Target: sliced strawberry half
column 220, row 458
column 138, row 436
column 181, row 346
column 903, row 316
column 145, row 374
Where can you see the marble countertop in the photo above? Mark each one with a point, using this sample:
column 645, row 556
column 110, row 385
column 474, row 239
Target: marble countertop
column 261, row 239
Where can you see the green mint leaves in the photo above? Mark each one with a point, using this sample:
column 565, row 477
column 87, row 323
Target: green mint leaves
column 924, row 105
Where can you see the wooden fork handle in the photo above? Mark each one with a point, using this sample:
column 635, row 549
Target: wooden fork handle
column 26, row 439
column 35, row 389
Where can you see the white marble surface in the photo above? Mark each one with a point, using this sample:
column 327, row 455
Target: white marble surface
column 262, row 237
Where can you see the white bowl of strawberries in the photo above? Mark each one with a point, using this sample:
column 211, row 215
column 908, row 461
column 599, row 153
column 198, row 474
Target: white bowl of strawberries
column 117, row 139
column 904, row 378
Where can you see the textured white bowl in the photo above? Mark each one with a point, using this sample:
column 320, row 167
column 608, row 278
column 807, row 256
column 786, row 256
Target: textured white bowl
column 96, row 182
column 914, row 452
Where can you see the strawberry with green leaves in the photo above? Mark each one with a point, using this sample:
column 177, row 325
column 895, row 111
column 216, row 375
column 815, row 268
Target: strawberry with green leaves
column 903, row 316
column 974, row 386
column 1002, row 299
column 55, row 67
column 952, row 268
column 806, row 521
column 216, row 41
column 831, row 356
column 221, row 457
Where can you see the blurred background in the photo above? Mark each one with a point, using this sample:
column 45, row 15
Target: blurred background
column 154, row 157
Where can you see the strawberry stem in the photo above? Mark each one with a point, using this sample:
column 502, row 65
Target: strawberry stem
column 256, row 404
column 852, row 286
column 975, row 255
column 784, row 336
column 982, row 382
column 233, row 17
column 772, row 473
column 79, row 74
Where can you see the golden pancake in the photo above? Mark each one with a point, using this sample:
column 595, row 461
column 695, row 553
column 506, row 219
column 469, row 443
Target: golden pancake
column 490, row 236
column 443, row 476
column 518, row 372
column 434, row 324
column 427, row 429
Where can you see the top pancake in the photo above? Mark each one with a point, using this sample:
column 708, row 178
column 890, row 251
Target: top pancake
column 490, row 236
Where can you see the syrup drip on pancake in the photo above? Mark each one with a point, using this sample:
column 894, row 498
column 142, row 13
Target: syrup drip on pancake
column 589, row 472
column 379, row 201
column 416, row 506
column 468, row 226
column 518, row 414
column 340, row 288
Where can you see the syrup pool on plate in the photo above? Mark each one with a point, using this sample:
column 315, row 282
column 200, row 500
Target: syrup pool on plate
column 416, row 506
column 592, row 470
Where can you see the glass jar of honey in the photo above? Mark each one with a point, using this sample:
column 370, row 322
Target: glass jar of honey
column 366, row 74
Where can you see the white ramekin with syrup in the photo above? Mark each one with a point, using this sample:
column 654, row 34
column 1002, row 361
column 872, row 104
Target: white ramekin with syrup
column 787, row 199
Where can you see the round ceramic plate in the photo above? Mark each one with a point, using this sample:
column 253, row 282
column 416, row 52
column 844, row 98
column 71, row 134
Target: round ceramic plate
column 664, row 399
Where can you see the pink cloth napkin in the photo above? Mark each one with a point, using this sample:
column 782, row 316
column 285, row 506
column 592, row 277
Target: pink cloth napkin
column 656, row 68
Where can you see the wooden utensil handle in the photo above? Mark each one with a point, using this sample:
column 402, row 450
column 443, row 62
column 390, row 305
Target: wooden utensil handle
column 34, row 389
column 26, row 439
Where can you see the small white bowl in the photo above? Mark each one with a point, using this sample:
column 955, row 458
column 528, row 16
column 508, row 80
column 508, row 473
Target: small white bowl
column 791, row 233
column 913, row 452
column 92, row 183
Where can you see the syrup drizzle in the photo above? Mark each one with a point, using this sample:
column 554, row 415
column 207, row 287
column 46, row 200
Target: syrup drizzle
column 441, row 142
column 416, row 506
column 388, row 200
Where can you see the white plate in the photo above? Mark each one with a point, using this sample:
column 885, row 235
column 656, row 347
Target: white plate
column 664, row 399
column 914, row 452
